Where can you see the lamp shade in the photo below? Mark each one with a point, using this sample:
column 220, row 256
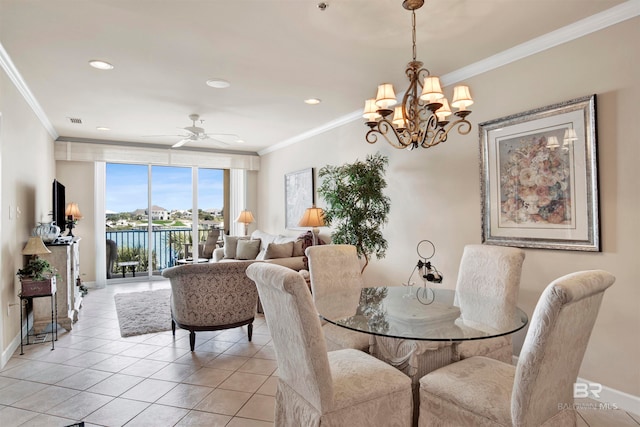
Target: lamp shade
column 370, row 110
column 312, row 217
column 245, row 217
column 431, row 89
column 386, row 96
column 73, row 211
column 461, row 97
column 35, row 246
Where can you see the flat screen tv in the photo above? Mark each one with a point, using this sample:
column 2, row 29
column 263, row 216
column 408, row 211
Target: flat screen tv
column 58, row 205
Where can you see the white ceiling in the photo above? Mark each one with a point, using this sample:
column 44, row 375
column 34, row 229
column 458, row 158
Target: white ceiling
column 275, row 53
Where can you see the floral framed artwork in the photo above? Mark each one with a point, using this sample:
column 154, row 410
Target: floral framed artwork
column 298, row 196
column 539, row 182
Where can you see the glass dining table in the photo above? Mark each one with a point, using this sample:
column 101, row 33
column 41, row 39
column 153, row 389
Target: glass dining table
column 418, row 329
column 421, row 313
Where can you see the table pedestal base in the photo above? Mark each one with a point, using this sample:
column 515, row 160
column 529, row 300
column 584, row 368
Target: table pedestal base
column 414, row 358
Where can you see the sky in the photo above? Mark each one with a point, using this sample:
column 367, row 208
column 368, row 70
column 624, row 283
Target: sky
column 171, row 187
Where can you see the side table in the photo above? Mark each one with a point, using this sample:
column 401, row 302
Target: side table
column 54, row 317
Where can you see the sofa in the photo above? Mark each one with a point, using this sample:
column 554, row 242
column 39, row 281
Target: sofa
column 260, row 246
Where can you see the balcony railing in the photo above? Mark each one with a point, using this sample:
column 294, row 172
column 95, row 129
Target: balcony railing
column 167, row 246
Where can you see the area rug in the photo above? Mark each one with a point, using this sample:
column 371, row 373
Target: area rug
column 143, row 312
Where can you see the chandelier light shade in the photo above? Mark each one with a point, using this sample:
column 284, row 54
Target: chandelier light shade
column 313, row 217
column 246, row 218
column 35, row 246
column 422, row 118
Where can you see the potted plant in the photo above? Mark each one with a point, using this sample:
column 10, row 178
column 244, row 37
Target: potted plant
column 37, row 277
column 357, row 207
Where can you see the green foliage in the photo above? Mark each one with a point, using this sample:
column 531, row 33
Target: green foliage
column 136, row 254
column 37, row 269
column 357, row 208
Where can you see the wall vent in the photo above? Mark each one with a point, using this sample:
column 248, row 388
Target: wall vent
column 75, row 121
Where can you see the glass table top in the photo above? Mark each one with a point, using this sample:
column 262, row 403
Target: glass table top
column 420, row 313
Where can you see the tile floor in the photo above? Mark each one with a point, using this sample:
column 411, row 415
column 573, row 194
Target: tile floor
column 98, row 377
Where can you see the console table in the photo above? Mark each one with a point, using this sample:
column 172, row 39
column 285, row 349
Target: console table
column 65, row 258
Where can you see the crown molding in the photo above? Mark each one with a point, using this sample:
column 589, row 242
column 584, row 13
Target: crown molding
column 14, row 75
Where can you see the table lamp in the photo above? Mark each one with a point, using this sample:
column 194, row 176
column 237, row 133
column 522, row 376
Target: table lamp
column 72, row 212
column 246, row 218
column 35, row 246
column 313, row 217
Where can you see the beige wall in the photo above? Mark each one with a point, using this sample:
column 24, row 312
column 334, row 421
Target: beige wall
column 435, row 193
column 78, row 179
column 27, row 170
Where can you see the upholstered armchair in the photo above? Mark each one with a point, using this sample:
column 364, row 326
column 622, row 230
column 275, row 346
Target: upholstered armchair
column 335, row 270
column 211, row 296
column 319, row 388
column 480, row 391
column 491, row 272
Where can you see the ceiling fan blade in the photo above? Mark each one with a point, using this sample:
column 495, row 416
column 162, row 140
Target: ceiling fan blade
column 180, row 143
column 224, row 138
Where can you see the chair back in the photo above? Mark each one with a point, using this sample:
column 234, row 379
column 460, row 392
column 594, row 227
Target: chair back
column 211, row 294
column 491, row 272
column 296, row 333
column 555, row 345
column 334, row 270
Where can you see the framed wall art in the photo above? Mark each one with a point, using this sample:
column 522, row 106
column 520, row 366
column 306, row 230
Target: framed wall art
column 539, row 182
column 298, row 196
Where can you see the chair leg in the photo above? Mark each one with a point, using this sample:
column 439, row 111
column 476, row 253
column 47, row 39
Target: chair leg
column 173, row 327
column 192, row 339
column 250, row 329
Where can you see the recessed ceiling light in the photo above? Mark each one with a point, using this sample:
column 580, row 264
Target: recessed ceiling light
column 312, row 101
column 240, row 141
column 218, row 83
column 102, row 128
column 100, row 65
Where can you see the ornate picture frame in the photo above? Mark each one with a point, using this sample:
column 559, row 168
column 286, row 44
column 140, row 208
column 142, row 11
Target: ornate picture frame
column 539, row 178
column 298, row 196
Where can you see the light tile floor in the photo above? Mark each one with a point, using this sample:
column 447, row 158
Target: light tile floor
column 98, row 377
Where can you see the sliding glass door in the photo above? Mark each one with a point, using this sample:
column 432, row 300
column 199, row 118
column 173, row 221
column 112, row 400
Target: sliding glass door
column 154, row 214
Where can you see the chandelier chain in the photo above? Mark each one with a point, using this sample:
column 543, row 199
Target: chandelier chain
column 413, row 25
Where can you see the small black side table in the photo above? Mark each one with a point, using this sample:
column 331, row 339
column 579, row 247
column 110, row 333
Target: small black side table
column 54, row 319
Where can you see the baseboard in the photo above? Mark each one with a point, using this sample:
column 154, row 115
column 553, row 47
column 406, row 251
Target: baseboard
column 14, row 344
column 609, row 397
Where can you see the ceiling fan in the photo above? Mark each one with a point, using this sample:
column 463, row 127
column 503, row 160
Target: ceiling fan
column 197, row 133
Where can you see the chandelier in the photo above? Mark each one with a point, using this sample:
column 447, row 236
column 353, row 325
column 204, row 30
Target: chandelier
column 422, row 119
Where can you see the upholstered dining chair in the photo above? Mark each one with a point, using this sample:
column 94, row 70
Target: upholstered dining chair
column 480, row 391
column 319, row 388
column 335, row 270
column 211, row 297
column 491, row 272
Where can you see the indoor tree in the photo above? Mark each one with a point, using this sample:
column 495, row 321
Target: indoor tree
column 357, row 209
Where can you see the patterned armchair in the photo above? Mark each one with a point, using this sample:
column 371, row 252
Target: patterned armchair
column 211, row 296
column 480, row 391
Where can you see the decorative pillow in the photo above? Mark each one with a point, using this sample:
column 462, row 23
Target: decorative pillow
column 279, row 250
column 210, row 245
column 230, row 245
column 247, row 249
column 297, row 248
